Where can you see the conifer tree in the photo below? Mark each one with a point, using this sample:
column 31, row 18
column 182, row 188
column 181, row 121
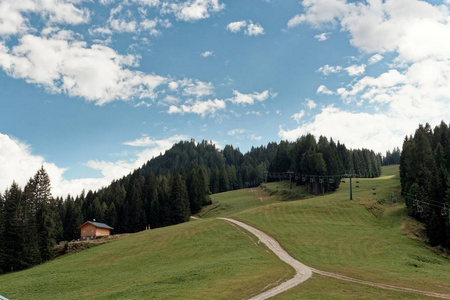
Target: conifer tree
column 179, row 202
column 46, row 213
column 12, row 238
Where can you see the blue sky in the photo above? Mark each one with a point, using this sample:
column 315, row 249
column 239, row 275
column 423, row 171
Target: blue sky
column 93, row 89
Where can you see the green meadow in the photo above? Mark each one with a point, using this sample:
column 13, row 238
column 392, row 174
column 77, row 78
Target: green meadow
column 197, row 260
column 211, row 259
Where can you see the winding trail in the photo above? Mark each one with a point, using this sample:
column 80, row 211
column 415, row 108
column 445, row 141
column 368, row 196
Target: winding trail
column 303, row 272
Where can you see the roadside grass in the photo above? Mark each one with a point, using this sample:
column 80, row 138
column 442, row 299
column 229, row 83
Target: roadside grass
column 360, row 238
column 324, row 288
column 206, row 259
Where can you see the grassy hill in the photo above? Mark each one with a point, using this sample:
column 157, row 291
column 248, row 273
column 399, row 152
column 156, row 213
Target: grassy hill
column 211, row 259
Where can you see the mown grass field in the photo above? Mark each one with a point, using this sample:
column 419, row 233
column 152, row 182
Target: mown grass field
column 360, row 238
column 211, row 259
column 206, row 259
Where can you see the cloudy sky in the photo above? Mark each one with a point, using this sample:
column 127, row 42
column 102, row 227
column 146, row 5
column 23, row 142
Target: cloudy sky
column 93, row 89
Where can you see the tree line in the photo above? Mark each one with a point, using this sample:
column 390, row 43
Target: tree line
column 166, row 190
column 391, row 157
column 29, row 224
column 425, row 180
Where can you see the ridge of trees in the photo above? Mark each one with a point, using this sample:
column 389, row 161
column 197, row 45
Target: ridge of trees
column 391, row 158
column 166, row 190
column 425, row 180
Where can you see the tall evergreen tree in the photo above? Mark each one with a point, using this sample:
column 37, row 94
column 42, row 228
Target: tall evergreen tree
column 425, row 180
column 13, row 244
column 47, row 218
column 179, row 202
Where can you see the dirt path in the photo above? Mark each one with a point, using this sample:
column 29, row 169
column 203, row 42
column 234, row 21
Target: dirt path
column 303, row 272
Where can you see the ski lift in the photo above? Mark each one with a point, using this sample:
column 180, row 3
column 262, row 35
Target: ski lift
column 330, row 179
column 311, row 179
column 303, row 178
column 444, row 211
column 296, row 177
column 320, row 180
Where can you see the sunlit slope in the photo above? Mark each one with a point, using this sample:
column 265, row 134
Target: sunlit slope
column 360, row 238
column 197, row 260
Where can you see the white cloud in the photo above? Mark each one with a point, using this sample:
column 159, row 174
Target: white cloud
column 236, row 131
column 14, row 14
column 149, row 3
column 201, row 108
column 146, row 141
column 153, row 147
column 295, row 21
column 253, row 112
column 207, row 54
column 236, row 26
column 95, row 73
column 250, row 99
column 327, row 70
column 311, row 104
column 254, row 29
column 122, row 20
column 375, row 58
column 122, row 25
column 196, row 88
column 254, row 137
column 169, row 100
column 150, row 26
column 356, row 130
column 21, row 163
column 192, row 10
column 414, row 29
column 298, row 116
column 356, row 70
column 322, row 37
column 251, row 29
column 322, row 89
column 319, row 12
column 142, row 103
column 106, row 2
column 241, row 134
column 173, row 85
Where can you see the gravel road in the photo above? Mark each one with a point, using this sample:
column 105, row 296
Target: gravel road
column 304, row 272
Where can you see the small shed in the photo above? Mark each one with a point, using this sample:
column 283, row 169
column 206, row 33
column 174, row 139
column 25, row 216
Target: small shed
column 91, row 230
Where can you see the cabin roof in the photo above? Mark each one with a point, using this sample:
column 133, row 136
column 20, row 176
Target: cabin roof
column 96, row 224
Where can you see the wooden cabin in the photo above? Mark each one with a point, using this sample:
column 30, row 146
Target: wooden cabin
column 91, row 230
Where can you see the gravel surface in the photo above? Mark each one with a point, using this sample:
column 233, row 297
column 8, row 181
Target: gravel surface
column 304, row 272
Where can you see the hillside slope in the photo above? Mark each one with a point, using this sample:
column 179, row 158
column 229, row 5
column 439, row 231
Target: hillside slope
column 211, row 259
column 360, row 238
column 195, row 260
